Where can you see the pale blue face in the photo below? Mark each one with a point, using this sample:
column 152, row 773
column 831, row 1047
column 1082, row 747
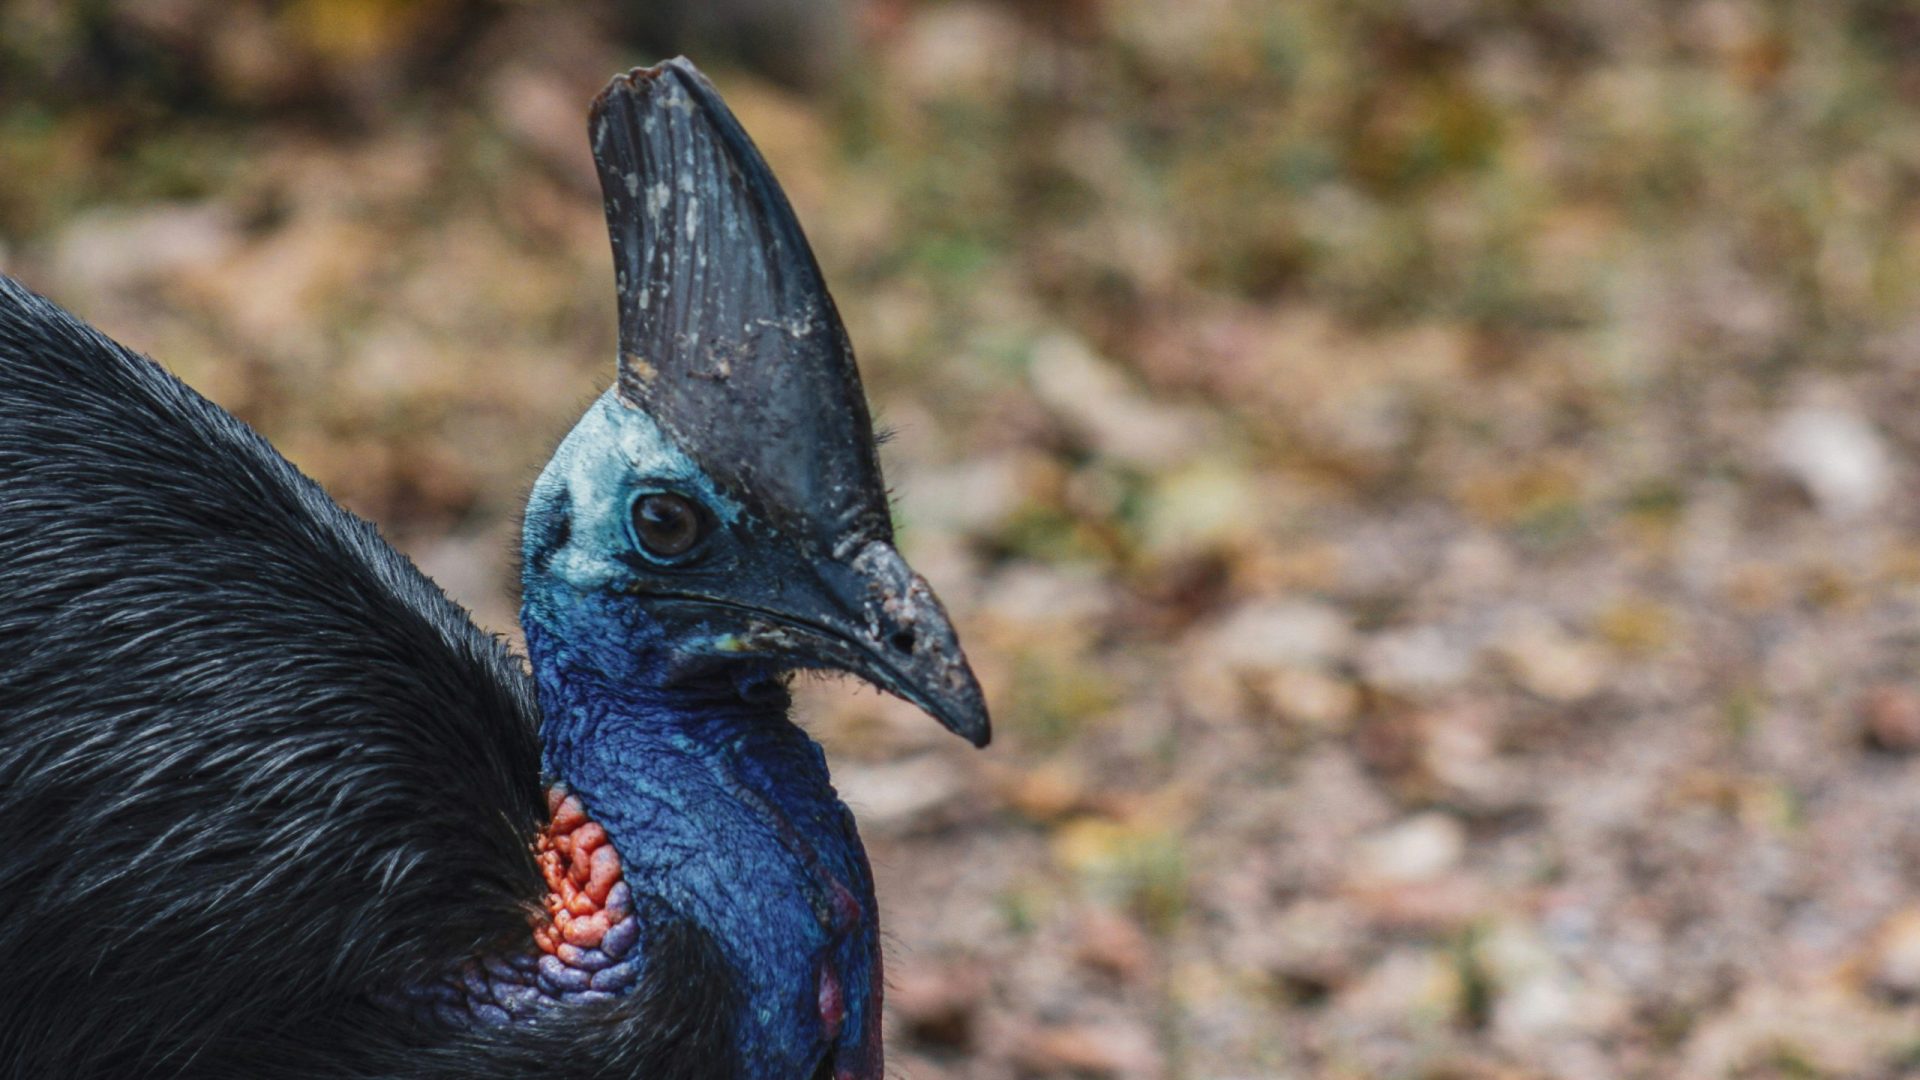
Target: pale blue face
column 645, row 617
column 612, row 456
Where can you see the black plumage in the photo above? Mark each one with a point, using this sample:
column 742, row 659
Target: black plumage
column 256, row 771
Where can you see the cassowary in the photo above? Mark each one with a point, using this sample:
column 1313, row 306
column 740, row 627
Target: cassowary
column 270, row 804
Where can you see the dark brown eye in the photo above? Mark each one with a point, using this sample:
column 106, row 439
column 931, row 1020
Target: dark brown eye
column 667, row 524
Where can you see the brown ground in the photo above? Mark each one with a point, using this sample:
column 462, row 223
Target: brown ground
column 1428, row 486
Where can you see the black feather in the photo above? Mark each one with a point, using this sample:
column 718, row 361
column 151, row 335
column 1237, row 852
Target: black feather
column 256, row 771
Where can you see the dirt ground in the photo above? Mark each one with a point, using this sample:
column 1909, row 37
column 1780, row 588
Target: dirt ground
column 1428, row 486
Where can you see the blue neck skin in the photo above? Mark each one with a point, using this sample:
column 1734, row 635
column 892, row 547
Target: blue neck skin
column 721, row 809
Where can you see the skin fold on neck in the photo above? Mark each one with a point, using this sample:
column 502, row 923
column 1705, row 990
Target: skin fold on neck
column 722, row 812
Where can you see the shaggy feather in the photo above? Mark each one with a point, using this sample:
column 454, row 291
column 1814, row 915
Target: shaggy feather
column 255, row 769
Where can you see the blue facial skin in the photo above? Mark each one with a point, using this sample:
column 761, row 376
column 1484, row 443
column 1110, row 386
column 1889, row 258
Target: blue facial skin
column 720, row 807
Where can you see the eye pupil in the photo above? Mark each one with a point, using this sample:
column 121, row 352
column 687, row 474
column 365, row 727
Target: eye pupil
column 666, row 524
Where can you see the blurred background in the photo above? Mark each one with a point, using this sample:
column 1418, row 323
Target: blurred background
column 1427, row 485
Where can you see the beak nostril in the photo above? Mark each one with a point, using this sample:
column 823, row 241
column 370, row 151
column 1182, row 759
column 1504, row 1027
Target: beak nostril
column 902, row 641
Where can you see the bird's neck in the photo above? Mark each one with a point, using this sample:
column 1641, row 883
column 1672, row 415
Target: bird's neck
column 722, row 813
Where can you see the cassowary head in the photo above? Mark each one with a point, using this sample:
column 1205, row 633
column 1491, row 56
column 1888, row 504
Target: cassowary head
column 716, row 520
column 728, row 486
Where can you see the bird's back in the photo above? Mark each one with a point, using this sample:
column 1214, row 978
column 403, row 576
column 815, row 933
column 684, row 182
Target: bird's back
column 256, row 771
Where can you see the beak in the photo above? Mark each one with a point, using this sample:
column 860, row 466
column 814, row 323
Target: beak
column 905, row 643
column 870, row 616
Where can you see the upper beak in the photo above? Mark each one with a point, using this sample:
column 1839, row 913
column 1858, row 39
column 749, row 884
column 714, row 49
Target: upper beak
column 907, row 645
column 870, row 616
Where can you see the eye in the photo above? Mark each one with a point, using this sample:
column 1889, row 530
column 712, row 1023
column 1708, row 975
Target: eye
column 668, row 525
